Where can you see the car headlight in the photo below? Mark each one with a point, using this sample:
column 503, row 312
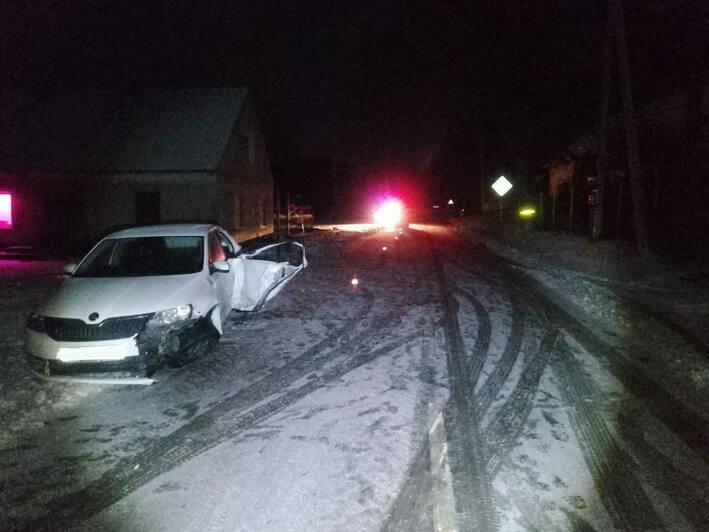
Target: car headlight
column 36, row 323
column 170, row 316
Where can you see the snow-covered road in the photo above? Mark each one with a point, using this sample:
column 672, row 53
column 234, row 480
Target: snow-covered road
column 447, row 390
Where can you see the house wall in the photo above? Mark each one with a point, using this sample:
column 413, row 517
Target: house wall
column 180, row 198
column 244, row 178
column 558, row 174
column 67, row 213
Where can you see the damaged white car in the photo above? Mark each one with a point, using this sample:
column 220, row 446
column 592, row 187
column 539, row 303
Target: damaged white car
column 152, row 295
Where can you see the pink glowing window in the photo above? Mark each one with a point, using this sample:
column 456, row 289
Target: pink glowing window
column 5, row 210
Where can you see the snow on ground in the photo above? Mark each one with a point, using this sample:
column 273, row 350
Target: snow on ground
column 22, row 286
column 589, row 441
column 548, row 463
column 341, row 383
column 612, row 288
column 313, row 414
column 327, row 462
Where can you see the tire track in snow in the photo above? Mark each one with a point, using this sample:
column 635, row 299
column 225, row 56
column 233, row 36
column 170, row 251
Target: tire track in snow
column 659, row 312
column 493, row 384
column 497, row 378
column 476, row 360
column 681, row 419
column 639, row 512
column 611, row 467
column 471, row 483
column 691, row 504
column 507, row 425
column 505, row 428
column 686, row 492
column 202, row 434
column 691, row 427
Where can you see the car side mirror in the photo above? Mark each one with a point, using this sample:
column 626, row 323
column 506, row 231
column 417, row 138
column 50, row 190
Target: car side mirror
column 220, row 266
column 70, row 268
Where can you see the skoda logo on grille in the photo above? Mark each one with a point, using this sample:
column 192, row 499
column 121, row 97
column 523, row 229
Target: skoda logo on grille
column 93, row 316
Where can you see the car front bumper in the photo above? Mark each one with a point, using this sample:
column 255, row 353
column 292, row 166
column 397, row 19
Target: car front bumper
column 114, row 360
column 141, row 354
column 41, row 346
column 106, row 369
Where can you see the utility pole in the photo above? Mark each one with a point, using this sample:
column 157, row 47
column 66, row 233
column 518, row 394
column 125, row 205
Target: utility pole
column 604, row 109
column 288, row 213
column 691, row 156
column 631, row 133
column 481, row 144
column 615, row 34
column 278, row 213
column 572, row 200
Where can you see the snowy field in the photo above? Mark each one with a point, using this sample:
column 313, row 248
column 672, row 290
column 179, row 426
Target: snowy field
column 448, row 390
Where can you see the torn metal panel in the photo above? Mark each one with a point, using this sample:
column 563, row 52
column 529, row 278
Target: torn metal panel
column 260, row 275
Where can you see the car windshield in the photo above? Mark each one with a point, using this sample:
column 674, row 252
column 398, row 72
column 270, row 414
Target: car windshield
column 144, row 256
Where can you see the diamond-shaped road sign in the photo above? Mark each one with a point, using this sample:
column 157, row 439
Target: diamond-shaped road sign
column 502, row 186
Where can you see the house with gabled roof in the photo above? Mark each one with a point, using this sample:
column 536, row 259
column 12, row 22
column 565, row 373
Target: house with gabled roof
column 77, row 164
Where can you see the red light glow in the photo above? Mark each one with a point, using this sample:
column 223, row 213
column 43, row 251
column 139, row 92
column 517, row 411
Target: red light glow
column 389, row 214
column 5, row 210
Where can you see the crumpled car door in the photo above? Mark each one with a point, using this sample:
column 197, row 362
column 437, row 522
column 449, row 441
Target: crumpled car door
column 260, row 275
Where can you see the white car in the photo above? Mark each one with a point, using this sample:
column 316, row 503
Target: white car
column 155, row 294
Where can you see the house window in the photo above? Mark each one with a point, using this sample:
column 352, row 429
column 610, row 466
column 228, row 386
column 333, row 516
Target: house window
column 5, row 210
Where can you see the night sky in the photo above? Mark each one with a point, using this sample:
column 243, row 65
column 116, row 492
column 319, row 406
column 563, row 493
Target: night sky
column 390, row 86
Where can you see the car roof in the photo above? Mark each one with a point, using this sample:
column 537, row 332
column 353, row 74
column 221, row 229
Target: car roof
column 164, row 230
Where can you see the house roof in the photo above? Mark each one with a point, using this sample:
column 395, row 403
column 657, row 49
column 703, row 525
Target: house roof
column 112, row 131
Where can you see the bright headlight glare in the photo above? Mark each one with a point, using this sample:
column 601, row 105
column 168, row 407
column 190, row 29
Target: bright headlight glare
column 171, row 316
column 389, row 214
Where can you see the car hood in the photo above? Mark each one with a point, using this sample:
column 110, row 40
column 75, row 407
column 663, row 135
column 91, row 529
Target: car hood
column 122, row 296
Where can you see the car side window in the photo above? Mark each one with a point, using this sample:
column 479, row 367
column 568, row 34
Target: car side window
column 216, row 252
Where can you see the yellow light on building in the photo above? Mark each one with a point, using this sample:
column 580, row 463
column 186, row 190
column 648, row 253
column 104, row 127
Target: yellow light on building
column 527, row 212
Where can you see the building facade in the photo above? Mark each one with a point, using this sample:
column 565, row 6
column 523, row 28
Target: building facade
column 74, row 166
column 674, row 154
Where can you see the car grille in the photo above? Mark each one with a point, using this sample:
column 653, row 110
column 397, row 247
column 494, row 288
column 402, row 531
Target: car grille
column 71, row 330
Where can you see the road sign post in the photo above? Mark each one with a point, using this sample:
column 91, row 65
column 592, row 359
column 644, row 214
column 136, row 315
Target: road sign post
column 501, row 186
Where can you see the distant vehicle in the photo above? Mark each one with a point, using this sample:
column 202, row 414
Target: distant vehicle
column 152, row 295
